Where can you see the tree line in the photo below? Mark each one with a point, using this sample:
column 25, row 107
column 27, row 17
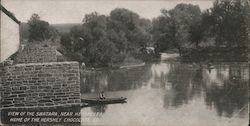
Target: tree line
column 226, row 24
column 105, row 40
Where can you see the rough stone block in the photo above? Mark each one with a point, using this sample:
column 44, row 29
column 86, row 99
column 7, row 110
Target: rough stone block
column 40, row 84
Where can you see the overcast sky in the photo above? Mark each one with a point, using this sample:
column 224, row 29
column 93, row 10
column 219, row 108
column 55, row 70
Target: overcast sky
column 73, row 11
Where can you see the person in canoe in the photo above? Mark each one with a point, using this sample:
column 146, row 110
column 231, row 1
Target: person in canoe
column 102, row 96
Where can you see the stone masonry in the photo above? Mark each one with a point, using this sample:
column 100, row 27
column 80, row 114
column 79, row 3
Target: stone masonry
column 36, row 54
column 40, row 84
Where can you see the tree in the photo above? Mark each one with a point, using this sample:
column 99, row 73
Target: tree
column 39, row 30
column 176, row 28
column 230, row 22
column 66, row 41
column 163, row 33
column 196, row 32
column 135, row 29
column 90, row 42
column 107, row 40
column 185, row 17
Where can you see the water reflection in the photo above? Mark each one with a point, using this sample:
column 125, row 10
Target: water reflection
column 222, row 88
column 99, row 109
column 114, row 80
column 180, row 77
column 231, row 95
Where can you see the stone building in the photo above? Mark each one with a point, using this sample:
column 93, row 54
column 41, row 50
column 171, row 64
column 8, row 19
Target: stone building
column 35, row 79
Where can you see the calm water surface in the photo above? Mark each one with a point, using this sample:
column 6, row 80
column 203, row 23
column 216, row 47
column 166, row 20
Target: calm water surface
column 170, row 93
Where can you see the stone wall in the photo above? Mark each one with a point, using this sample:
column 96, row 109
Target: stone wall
column 40, row 84
column 36, row 54
column 1, row 83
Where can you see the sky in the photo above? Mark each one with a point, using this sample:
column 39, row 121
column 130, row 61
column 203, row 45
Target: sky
column 73, row 11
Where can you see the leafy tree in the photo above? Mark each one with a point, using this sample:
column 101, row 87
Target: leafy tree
column 39, row 30
column 196, row 32
column 163, row 33
column 230, row 22
column 134, row 28
column 185, row 16
column 66, row 41
column 177, row 27
column 107, row 40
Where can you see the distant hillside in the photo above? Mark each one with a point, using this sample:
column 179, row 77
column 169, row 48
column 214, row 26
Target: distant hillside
column 61, row 28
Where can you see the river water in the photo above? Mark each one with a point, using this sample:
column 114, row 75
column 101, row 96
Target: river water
column 170, row 93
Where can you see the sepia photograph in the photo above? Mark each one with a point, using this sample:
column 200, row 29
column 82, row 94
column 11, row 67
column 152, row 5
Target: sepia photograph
column 124, row 62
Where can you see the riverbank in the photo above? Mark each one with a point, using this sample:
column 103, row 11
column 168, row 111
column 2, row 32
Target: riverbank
column 215, row 54
column 169, row 56
column 133, row 65
column 127, row 63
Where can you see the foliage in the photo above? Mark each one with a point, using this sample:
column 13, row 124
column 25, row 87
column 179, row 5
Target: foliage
column 177, row 27
column 163, row 33
column 107, row 40
column 40, row 30
column 226, row 24
column 230, row 21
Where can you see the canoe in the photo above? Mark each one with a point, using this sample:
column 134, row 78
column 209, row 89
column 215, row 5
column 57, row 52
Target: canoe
column 103, row 101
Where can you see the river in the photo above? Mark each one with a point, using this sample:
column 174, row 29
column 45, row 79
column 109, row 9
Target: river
column 170, row 93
